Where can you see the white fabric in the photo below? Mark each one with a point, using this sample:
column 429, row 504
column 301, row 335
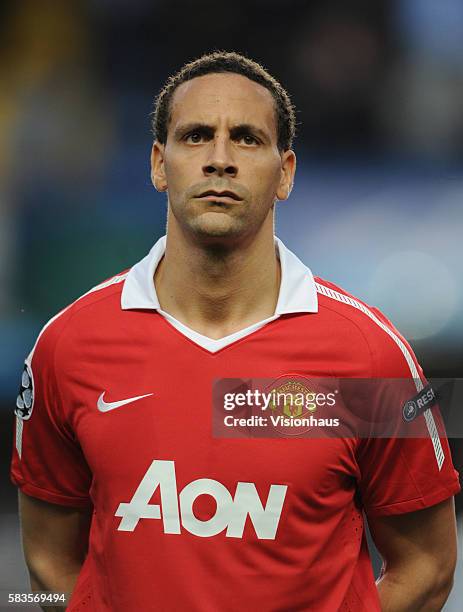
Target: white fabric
column 297, row 293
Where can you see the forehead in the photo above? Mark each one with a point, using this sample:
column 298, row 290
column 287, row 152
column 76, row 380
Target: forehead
column 214, row 97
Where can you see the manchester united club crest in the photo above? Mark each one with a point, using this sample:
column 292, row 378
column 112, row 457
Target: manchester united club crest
column 291, row 399
column 291, row 407
column 25, row 399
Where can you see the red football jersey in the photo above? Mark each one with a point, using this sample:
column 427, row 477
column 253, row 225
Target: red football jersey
column 115, row 414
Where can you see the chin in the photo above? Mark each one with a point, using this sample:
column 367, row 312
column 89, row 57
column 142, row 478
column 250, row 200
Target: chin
column 216, row 225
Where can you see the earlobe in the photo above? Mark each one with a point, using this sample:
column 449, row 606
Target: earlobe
column 283, row 190
column 283, row 193
column 157, row 184
column 158, row 177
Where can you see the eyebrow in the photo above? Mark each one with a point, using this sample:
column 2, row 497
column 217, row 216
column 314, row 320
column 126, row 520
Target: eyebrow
column 236, row 130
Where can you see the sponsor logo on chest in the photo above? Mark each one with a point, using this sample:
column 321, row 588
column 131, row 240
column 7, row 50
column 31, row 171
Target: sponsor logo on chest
column 176, row 509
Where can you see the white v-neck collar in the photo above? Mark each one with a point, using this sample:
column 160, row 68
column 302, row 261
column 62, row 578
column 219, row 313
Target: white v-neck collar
column 297, row 294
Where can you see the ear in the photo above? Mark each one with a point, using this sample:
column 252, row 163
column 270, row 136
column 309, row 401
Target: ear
column 288, row 169
column 158, row 175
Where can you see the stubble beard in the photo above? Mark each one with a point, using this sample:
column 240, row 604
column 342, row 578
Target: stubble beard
column 213, row 222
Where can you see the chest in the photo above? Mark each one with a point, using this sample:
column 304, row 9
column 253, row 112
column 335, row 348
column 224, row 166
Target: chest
column 141, row 406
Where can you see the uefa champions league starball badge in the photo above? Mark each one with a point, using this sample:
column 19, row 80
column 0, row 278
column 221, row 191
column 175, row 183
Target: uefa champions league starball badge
column 25, row 399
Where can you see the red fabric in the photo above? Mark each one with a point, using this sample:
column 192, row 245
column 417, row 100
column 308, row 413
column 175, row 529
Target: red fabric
column 75, row 455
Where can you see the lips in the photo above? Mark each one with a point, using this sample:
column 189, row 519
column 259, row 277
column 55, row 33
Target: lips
column 211, row 193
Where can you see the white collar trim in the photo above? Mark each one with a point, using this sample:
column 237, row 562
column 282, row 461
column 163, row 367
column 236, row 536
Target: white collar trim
column 297, row 293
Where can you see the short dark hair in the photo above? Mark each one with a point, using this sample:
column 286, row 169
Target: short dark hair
column 219, row 62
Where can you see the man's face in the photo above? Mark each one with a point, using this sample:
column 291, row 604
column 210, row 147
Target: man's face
column 221, row 164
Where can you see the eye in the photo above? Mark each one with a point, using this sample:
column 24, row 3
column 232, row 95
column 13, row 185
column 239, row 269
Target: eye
column 194, row 137
column 248, row 139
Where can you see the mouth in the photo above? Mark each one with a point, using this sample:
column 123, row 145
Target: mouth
column 219, row 196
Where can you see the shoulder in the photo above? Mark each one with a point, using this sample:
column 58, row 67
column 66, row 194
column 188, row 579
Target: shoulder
column 391, row 354
column 341, row 303
column 100, row 302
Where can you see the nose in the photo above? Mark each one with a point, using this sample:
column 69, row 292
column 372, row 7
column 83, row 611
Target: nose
column 220, row 161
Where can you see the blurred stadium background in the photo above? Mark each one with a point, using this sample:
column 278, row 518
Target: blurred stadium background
column 378, row 200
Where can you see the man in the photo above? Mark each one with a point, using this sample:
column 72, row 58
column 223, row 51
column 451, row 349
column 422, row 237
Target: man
column 114, row 414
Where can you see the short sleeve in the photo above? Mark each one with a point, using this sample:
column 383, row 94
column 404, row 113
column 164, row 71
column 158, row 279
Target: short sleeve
column 401, row 475
column 405, row 473
column 47, row 460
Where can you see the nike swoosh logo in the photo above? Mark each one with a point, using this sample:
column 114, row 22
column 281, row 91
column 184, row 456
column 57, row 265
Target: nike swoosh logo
column 106, row 406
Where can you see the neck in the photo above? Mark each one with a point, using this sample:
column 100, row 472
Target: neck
column 218, row 290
